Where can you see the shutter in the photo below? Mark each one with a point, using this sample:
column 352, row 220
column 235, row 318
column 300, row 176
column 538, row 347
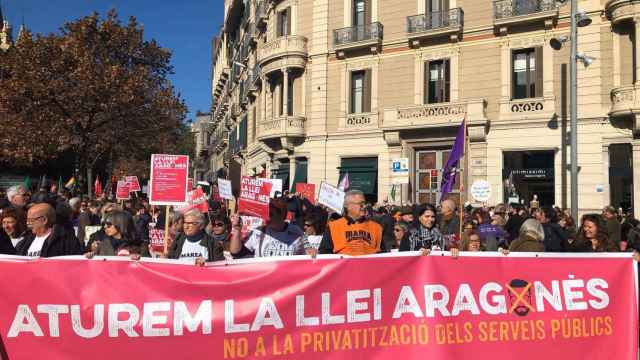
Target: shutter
column 366, row 102
column 279, row 24
column 539, row 73
column 367, row 13
column 513, row 76
column 427, row 77
column 350, row 100
column 447, row 81
column 445, row 8
column 288, row 15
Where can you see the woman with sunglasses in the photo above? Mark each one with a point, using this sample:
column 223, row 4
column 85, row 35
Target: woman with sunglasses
column 399, row 231
column 120, row 237
column 218, row 228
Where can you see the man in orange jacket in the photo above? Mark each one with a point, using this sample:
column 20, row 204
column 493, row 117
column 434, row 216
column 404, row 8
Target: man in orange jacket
column 353, row 234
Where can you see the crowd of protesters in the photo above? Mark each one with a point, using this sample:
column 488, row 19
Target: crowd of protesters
column 49, row 223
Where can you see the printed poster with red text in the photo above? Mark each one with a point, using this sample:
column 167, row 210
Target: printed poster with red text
column 254, row 197
column 168, row 184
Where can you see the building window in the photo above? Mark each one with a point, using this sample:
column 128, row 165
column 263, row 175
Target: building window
column 359, row 14
column 284, row 22
column 526, row 71
column 437, row 81
column 360, row 94
column 437, row 12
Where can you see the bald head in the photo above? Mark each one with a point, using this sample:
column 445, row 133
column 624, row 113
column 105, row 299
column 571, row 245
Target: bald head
column 40, row 218
column 448, row 207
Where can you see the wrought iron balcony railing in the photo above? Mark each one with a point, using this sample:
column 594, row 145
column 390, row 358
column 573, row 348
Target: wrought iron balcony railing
column 435, row 20
column 504, row 9
column 345, row 37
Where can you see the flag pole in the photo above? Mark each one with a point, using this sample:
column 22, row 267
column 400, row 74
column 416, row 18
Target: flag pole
column 463, row 189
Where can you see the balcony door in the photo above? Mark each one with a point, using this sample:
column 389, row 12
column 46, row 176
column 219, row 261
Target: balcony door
column 361, row 18
column 436, row 13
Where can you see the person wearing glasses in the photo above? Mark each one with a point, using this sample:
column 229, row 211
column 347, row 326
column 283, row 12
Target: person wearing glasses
column 46, row 239
column 353, row 234
column 399, row 230
column 194, row 244
column 218, row 228
column 120, row 237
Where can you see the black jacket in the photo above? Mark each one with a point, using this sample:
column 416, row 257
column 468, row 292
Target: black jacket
column 6, row 247
column 387, row 223
column 61, row 242
column 556, row 238
column 216, row 251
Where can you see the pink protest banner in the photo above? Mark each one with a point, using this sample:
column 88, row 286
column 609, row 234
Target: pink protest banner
column 380, row 307
column 134, row 184
column 308, row 191
column 168, row 184
column 254, row 197
column 156, row 239
column 122, row 190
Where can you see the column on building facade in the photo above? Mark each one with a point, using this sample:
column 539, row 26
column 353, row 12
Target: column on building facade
column 292, row 172
column 636, row 177
column 285, row 92
column 265, row 86
column 637, row 48
column 606, row 191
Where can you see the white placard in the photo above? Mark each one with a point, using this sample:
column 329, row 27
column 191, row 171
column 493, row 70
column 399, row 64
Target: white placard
column 481, row 190
column 224, row 188
column 331, row 197
column 276, row 186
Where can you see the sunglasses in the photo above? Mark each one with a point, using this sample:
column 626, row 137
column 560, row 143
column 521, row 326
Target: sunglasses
column 397, row 230
column 218, row 224
column 307, row 225
column 108, row 223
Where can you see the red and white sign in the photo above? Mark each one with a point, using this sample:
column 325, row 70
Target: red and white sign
column 308, row 191
column 189, row 183
column 168, row 184
column 134, row 184
column 156, row 239
column 249, row 223
column 486, row 307
column 197, row 200
column 122, row 190
column 254, row 197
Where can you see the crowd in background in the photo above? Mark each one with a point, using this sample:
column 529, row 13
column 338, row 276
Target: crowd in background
column 49, row 223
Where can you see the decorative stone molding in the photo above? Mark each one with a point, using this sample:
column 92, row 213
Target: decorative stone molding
column 625, row 102
column 360, row 121
column 282, row 127
column 285, row 46
column 619, row 10
column 434, row 115
column 393, row 138
column 541, row 108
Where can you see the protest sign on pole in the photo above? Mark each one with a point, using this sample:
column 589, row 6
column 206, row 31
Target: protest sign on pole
column 168, row 184
column 254, row 197
column 249, row 223
column 331, row 197
column 134, row 184
column 224, row 188
column 156, row 239
column 189, row 184
column 481, row 190
column 276, row 186
column 308, row 191
column 122, row 190
column 483, row 306
column 196, row 199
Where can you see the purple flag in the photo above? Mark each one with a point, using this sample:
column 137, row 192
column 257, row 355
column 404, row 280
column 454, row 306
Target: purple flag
column 450, row 170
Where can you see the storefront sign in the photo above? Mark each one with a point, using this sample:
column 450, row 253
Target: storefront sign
column 168, row 184
column 541, row 173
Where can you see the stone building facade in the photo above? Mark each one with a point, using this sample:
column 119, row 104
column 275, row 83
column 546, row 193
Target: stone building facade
column 310, row 90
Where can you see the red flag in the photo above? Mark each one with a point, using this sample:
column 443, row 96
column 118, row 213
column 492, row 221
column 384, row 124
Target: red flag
column 98, row 187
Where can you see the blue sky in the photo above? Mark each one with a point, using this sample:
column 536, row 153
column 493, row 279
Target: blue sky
column 185, row 27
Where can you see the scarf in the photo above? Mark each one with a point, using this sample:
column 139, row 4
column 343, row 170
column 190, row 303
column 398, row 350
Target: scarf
column 422, row 237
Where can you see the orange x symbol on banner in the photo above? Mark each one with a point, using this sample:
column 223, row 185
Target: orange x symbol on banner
column 520, row 297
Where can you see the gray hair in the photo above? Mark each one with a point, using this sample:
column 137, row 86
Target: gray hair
column 449, row 203
column 532, row 228
column 14, row 190
column 195, row 213
column 352, row 193
column 75, row 201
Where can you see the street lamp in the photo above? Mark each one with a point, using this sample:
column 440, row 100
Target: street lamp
column 578, row 19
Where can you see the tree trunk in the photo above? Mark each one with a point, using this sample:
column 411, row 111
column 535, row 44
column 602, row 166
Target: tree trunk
column 90, row 181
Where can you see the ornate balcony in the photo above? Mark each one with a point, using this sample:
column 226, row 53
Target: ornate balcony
column 508, row 13
column 625, row 102
column 433, row 115
column 542, row 108
column 358, row 37
column 283, row 128
column 253, row 81
column 618, row 10
column 359, row 121
column 282, row 52
column 441, row 23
